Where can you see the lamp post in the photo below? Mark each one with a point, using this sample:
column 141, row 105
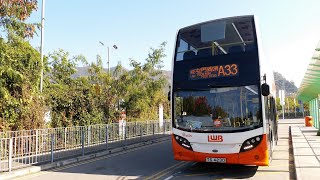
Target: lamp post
column 41, row 47
column 108, row 60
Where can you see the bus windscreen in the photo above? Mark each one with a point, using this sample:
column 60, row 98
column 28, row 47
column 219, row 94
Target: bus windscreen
column 218, row 109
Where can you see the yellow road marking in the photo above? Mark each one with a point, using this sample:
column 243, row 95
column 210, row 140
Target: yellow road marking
column 170, row 171
column 163, row 171
column 84, row 162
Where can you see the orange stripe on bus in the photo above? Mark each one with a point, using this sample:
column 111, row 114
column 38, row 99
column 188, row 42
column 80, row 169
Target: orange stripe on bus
column 257, row 156
column 181, row 153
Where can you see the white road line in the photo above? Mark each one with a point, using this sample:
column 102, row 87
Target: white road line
column 169, row 177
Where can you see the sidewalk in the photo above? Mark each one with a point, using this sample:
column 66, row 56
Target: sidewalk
column 306, row 150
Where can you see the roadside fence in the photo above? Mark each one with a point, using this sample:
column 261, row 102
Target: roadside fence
column 29, row 147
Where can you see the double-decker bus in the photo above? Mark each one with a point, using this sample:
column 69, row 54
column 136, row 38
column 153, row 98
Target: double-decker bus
column 222, row 94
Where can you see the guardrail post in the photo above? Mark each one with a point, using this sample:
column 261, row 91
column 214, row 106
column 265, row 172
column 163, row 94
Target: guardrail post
column 37, row 144
column 89, row 135
column 164, row 127
column 82, row 140
column 10, row 154
column 100, row 141
column 153, row 130
column 52, row 147
column 135, row 129
column 65, row 138
column 147, row 128
column 107, row 137
column 125, row 135
column 140, row 132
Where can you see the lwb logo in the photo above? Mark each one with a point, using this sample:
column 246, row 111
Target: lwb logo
column 215, row 138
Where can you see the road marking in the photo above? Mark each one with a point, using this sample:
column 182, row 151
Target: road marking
column 84, row 162
column 171, row 170
column 169, row 177
column 159, row 173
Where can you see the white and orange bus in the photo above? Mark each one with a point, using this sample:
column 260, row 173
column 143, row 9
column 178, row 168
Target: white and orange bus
column 222, row 94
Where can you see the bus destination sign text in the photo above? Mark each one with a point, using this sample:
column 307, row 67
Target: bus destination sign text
column 218, row 71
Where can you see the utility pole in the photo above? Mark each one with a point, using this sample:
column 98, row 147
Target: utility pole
column 294, row 105
column 41, row 47
column 108, row 60
column 284, row 100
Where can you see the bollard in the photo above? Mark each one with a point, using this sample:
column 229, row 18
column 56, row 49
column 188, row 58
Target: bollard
column 10, row 154
column 52, row 147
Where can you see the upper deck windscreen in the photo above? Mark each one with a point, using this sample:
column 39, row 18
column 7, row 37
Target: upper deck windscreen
column 220, row 37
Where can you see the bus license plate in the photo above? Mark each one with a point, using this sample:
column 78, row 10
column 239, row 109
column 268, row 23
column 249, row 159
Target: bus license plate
column 216, row 160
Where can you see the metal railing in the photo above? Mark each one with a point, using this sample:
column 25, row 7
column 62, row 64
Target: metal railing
column 23, row 148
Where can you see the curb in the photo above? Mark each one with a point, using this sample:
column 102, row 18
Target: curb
column 296, row 163
column 38, row 168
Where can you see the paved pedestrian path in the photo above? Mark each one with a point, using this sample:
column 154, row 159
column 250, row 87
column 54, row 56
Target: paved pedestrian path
column 306, row 150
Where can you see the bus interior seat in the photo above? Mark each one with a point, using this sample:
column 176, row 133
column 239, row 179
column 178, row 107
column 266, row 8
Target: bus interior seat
column 250, row 47
column 189, row 55
column 235, row 49
column 204, row 53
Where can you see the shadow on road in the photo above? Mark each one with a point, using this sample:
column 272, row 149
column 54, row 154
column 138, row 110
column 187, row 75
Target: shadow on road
column 217, row 171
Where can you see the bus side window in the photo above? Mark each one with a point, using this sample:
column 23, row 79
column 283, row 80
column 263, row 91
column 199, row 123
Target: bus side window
column 235, row 49
column 189, row 55
column 267, row 108
column 271, row 109
column 202, row 53
column 250, row 47
column 274, row 112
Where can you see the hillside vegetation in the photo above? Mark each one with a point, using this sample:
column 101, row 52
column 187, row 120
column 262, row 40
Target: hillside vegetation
column 72, row 99
column 283, row 83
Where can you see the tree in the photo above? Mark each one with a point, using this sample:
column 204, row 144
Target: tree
column 21, row 107
column 13, row 14
column 145, row 86
column 70, row 99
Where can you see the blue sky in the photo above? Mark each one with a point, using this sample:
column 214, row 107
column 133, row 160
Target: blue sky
column 290, row 29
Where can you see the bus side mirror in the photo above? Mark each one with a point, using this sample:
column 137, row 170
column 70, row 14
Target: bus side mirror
column 265, row 89
column 169, row 94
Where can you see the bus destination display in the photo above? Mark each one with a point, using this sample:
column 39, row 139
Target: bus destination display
column 218, row 71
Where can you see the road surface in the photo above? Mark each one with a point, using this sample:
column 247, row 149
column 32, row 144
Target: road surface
column 156, row 162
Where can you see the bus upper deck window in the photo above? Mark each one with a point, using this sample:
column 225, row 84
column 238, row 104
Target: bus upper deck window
column 188, row 55
column 213, row 31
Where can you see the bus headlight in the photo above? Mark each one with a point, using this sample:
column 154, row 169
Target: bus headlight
column 251, row 143
column 183, row 142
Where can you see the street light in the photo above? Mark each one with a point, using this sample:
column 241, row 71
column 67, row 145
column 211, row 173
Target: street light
column 115, row 47
column 41, row 46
